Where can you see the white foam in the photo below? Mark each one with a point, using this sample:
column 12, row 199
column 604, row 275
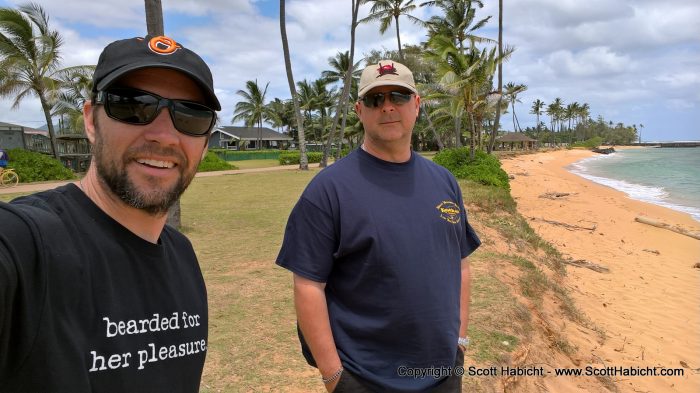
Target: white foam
column 655, row 195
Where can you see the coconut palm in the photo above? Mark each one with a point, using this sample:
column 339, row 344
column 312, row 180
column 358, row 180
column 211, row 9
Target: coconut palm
column 511, row 94
column 339, row 68
column 457, row 21
column 252, row 110
column 536, row 109
column 388, row 11
column 497, row 119
column 303, row 160
column 75, row 88
column 555, row 111
column 466, row 77
column 29, row 59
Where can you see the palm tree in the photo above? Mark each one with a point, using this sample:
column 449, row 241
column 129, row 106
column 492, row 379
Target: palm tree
column 456, row 21
column 29, row 59
column 388, row 11
column 536, row 110
column 75, row 88
column 339, row 68
column 303, row 160
column 252, row 110
column 511, row 93
column 307, row 103
column 492, row 140
column 466, row 77
column 554, row 110
column 348, row 73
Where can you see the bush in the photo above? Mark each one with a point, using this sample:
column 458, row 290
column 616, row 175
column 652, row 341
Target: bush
column 32, row 166
column 484, row 168
column 590, row 143
column 212, row 162
column 292, row 158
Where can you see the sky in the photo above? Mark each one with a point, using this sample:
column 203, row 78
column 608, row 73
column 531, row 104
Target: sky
column 633, row 61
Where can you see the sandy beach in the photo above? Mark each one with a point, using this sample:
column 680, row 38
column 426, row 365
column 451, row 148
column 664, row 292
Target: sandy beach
column 648, row 303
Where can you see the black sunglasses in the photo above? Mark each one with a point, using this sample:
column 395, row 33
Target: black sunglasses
column 377, row 99
column 134, row 106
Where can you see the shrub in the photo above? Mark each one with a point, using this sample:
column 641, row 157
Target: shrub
column 590, row 143
column 212, row 162
column 484, row 168
column 32, row 166
column 292, row 158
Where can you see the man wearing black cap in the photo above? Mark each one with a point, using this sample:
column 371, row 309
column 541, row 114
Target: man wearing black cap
column 96, row 292
column 378, row 245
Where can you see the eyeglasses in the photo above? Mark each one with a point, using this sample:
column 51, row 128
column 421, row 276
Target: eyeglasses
column 377, row 99
column 134, row 106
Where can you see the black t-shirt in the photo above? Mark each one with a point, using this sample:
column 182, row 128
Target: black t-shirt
column 86, row 305
column 387, row 239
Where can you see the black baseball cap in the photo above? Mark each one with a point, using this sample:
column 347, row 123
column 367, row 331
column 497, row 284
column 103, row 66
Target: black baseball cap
column 124, row 56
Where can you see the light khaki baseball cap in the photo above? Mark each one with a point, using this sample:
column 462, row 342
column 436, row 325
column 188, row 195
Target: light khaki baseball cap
column 386, row 73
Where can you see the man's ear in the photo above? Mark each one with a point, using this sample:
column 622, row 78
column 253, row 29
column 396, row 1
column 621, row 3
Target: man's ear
column 417, row 106
column 89, row 121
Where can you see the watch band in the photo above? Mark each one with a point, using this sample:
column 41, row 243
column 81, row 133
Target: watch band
column 463, row 341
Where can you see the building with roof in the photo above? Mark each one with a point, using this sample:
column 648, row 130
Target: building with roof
column 248, row 138
column 73, row 147
column 515, row 141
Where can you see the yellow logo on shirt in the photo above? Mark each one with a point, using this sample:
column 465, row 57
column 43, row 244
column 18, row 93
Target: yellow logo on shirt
column 449, row 211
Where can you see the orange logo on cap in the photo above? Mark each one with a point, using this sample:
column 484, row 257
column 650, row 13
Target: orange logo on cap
column 163, row 45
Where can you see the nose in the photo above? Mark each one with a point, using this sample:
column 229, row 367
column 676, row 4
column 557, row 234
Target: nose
column 161, row 129
column 387, row 105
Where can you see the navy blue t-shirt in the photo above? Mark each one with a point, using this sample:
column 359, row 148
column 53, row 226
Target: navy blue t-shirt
column 388, row 239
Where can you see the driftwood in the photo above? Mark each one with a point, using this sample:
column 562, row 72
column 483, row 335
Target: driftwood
column 554, row 195
column 587, row 265
column 674, row 228
column 567, row 226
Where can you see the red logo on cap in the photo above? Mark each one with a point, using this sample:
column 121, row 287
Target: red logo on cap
column 163, row 45
column 386, row 69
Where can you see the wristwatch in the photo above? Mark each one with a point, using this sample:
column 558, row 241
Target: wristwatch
column 463, row 342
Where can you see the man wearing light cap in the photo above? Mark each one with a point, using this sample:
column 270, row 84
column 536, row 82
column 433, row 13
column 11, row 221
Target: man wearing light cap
column 378, row 244
column 96, row 292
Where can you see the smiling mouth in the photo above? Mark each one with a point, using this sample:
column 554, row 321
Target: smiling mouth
column 156, row 163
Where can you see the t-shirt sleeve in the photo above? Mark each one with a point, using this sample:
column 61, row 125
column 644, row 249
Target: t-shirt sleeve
column 470, row 241
column 309, row 242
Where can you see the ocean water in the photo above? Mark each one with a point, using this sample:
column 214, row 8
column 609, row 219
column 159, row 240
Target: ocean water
column 668, row 177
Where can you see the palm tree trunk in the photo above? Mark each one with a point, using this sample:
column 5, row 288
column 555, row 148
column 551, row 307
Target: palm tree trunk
column 398, row 38
column 154, row 17
column 303, row 159
column 436, row 136
column 49, row 123
column 458, row 131
column 355, row 4
column 494, row 132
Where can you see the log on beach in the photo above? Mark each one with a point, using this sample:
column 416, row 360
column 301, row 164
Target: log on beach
column 674, row 228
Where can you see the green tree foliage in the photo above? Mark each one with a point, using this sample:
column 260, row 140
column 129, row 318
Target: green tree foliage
column 32, row 166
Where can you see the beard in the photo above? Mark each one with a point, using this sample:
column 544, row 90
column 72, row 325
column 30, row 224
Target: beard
column 155, row 199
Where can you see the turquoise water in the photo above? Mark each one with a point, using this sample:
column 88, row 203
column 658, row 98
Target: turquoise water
column 668, row 177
